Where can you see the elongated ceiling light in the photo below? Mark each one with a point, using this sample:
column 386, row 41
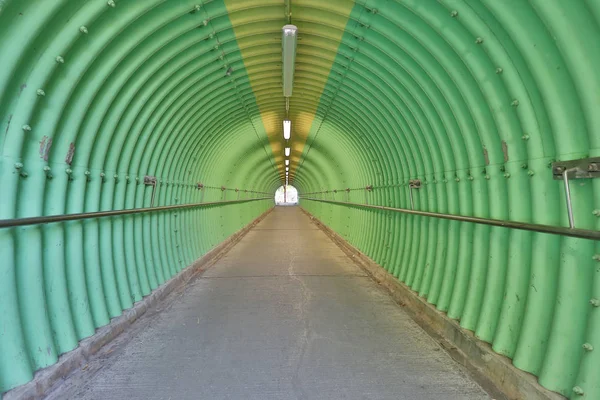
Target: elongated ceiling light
column 287, row 168
column 287, row 162
column 287, row 129
column 288, row 43
column 287, row 151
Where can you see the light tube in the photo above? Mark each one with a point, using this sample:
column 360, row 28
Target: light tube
column 287, row 129
column 287, row 151
column 287, row 162
column 288, row 44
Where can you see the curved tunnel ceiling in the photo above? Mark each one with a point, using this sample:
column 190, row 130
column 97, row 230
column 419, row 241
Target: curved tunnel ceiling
column 473, row 97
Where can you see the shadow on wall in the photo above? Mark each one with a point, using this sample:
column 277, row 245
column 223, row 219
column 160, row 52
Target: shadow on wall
column 286, row 195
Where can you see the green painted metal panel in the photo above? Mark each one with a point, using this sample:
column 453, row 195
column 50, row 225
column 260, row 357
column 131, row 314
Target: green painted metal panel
column 473, row 97
column 93, row 97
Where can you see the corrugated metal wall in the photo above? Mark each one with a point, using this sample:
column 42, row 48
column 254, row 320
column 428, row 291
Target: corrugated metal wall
column 475, row 98
column 94, row 96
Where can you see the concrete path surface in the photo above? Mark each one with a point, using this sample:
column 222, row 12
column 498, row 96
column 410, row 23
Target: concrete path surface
column 284, row 315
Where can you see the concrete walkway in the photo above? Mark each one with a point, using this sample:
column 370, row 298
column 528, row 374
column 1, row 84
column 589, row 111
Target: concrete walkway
column 284, row 315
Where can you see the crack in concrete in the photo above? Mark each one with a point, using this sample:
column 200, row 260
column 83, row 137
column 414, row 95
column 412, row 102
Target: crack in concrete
column 304, row 337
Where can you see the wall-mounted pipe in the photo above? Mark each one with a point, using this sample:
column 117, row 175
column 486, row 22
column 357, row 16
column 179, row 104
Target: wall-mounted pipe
column 11, row 223
column 555, row 230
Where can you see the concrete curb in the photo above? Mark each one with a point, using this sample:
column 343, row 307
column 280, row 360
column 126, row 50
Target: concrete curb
column 45, row 378
column 493, row 371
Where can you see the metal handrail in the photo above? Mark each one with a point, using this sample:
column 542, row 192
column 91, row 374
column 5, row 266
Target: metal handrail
column 11, row 223
column 555, row 230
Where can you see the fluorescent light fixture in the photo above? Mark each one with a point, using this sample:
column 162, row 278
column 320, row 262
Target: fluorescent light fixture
column 288, row 43
column 287, row 151
column 287, row 162
column 287, row 129
column 287, row 168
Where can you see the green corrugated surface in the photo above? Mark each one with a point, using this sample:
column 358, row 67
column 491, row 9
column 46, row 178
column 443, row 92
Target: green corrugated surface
column 142, row 93
column 417, row 89
column 413, row 94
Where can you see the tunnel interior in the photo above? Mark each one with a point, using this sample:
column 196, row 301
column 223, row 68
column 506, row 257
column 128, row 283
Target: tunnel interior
column 124, row 104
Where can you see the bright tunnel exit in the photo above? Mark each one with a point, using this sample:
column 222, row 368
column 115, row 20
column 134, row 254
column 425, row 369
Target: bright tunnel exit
column 286, row 195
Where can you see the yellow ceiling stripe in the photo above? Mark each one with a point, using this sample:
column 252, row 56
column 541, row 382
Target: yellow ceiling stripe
column 257, row 25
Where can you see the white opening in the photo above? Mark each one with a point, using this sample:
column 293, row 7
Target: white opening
column 286, row 196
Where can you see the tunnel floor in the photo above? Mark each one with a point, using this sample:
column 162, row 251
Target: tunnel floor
column 285, row 314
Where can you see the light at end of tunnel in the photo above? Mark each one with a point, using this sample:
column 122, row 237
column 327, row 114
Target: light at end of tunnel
column 287, row 162
column 287, row 129
column 287, row 151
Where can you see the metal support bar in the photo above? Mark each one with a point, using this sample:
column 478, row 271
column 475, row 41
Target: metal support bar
column 151, row 181
column 584, row 168
column 413, row 184
column 554, row 230
column 11, row 223
column 288, row 11
column 568, row 196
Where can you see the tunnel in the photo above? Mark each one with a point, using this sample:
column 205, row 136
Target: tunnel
column 455, row 144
